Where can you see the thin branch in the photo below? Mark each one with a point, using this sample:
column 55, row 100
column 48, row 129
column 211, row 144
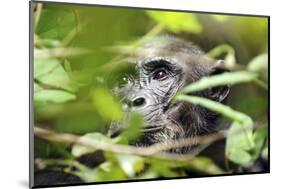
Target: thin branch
column 156, row 150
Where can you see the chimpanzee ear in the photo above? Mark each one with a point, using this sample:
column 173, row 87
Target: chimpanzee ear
column 221, row 92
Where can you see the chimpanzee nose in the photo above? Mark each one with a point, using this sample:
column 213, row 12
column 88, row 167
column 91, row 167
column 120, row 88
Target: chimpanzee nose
column 140, row 101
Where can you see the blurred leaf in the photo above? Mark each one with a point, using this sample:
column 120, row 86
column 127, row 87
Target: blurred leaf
column 264, row 152
column 87, row 175
column 259, row 63
column 220, row 18
column 74, row 120
column 220, row 80
column 130, row 164
column 204, row 165
column 239, row 142
column 120, row 140
column 37, row 87
column 56, row 22
column 55, row 76
column 67, row 66
column 149, row 174
column 133, row 130
column 78, row 150
column 198, row 164
column 44, row 66
column 107, row 171
column 58, row 52
column 48, row 149
column 46, row 43
column 260, row 136
column 52, row 95
column 176, row 22
column 108, row 107
column 239, row 156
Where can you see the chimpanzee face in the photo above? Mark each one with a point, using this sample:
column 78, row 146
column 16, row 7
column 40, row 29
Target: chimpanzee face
column 150, row 80
column 149, row 89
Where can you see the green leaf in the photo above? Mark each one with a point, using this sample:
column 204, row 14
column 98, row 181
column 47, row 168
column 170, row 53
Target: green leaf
column 176, row 22
column 260, row 136
column 130, row 164
column 58, row 52
column 220, row 18
column 259, row 63
column 56, row 22
column 47, row 43
column 51, row 95
column 220, row 80
column 113, row 172
column 239, row 156
column 55, row 76
column 107, row 106
column 205, row 165
column 37, row 87
column 78, row 150
column 239, row 142
column 133, row 130
column 201, row 164
column 44, row 66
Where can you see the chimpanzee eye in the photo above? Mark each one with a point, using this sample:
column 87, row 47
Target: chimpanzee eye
column 124, row 81
column 160, row 75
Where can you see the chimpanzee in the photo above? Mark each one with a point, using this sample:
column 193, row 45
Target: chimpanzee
column 159, row 68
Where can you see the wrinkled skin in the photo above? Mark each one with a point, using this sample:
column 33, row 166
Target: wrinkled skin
column 158, row 70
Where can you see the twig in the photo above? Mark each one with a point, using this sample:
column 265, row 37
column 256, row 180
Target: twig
column 156, row 150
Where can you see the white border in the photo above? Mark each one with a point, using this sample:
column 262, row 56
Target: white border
column 14, row 92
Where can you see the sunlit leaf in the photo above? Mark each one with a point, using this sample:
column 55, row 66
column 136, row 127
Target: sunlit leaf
column 115, row 173
column 130, row 164
column 78, row 150
column 44, row 66
column 55, row 76
column 239, row 156
column 177, row 22
column 239, row 142
column 107, row 106
column 51, row 95
column 87, row 175
column 259, row 63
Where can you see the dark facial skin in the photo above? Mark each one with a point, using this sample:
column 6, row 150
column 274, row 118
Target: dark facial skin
column 158, row 71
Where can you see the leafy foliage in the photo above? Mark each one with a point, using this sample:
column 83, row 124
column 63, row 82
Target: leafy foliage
column 177, row 22
column 71, row 95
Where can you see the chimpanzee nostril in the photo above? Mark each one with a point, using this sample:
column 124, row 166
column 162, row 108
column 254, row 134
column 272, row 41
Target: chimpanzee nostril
column 139, row 101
